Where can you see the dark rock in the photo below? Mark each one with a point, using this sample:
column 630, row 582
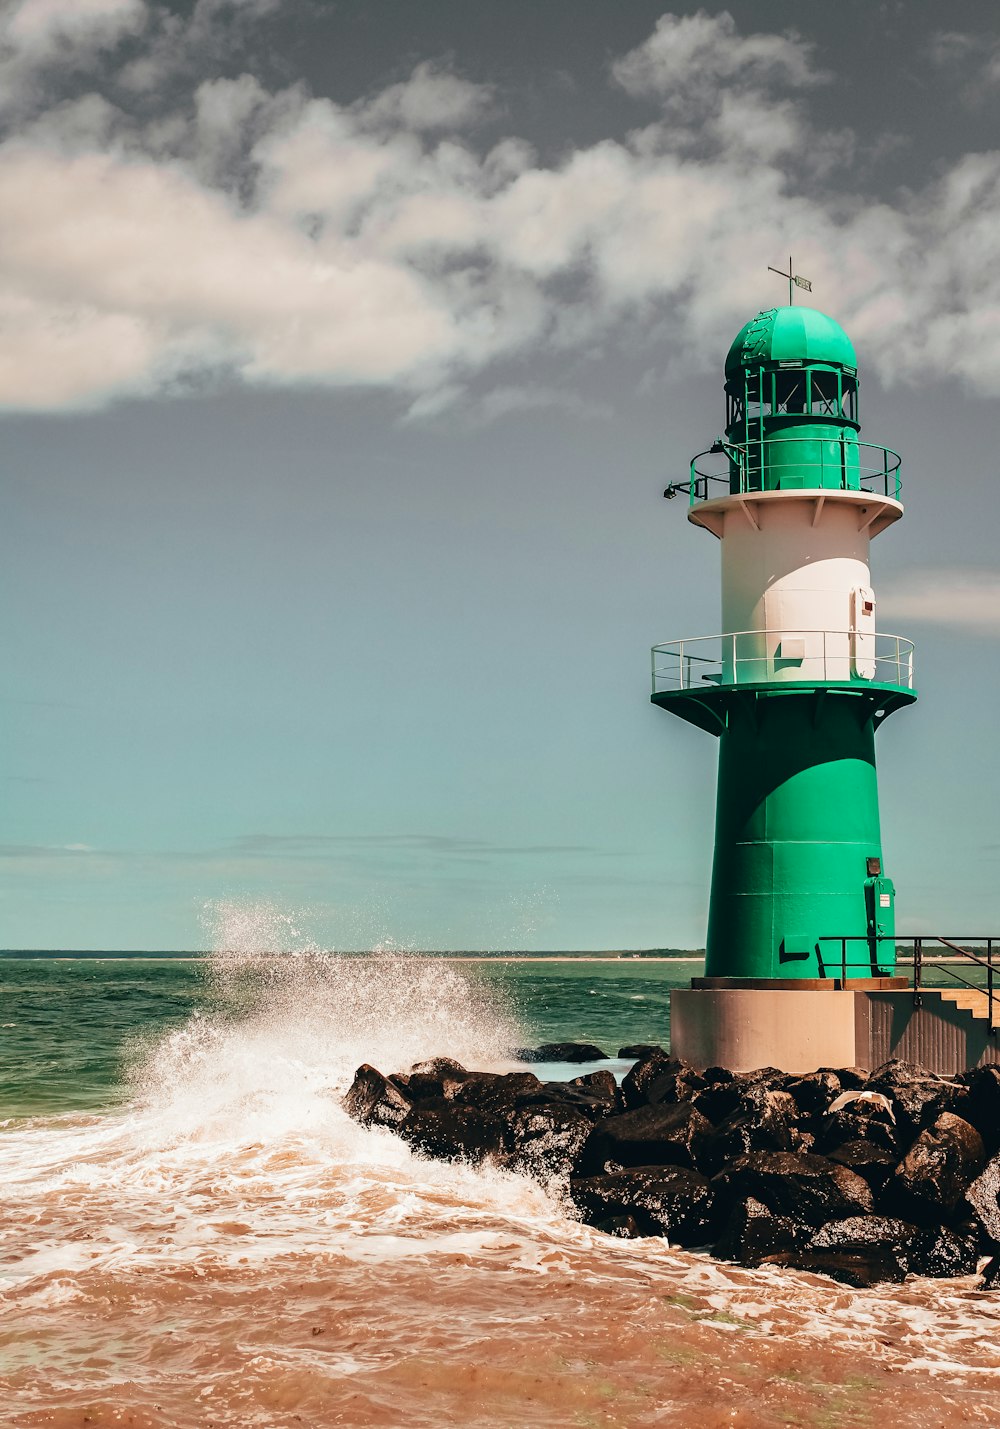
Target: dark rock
column 663, row 1200
column 941, row 1252
column 373, row 1100
column 918, row 1097
column 570, row 1094
column 666, row 1135
column 639, row 1050
column 623, row 1227
column 600, row 1084
column 742, row 1094
column 862, row 1250
column 983, row 1196
column 497, row 1092
column 982, row 1106
column 753, row 1233
column 763, row 1122
column 449, row 1132
column 802, row 1140
column 814, row 1093
column 807, row 1188
column 715, row 1076
column 561, row 1052
column 932, row 1178
column 991, row 1274
column 862, row 1269
column 679, row 1086
column 648, row 1069
column 861, row 1116
column 439, row 1067
column 874, row 1163
column 850, row 1078
column 545, row 1141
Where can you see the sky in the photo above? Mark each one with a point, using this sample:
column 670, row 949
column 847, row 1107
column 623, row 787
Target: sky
column 345, row 352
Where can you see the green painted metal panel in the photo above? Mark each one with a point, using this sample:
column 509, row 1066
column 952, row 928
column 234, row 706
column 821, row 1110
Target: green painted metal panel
column 796, row 822
column 790, row 334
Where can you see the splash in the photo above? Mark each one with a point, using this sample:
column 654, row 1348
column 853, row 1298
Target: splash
column 287, row 1024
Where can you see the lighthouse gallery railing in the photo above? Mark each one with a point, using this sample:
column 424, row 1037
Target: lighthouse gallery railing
column 757, row 657
column 825, row 463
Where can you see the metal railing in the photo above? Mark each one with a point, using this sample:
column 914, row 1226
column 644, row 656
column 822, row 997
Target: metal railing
column 921, row 963
column 842, row 465
column 756, row 657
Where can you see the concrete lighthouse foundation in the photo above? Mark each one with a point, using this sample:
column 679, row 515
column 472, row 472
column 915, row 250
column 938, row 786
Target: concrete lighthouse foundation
column 802, row 1028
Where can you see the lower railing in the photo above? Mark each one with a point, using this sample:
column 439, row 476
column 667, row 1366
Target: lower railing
column 981, row 962
column 752, row 657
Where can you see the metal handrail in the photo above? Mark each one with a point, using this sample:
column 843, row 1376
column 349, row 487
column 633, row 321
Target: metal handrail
column 748, row 461
column 920, row 959
column 842, row 657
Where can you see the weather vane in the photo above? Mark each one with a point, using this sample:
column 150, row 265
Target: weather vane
column 794, row 280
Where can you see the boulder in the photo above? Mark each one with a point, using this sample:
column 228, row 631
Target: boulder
column 373, row 1100
column 807, row 1188
column 637, row 1050
column 850, row 1078
column 931, row 1180
column 753, row 1233
column 982, row 1105
column 763, row 1122
column 570, row 1094
column 450, row 1132
column 671, row 1201
column 601, row 1085
column 918, row 1096
column 991, row 1274
column 673, row 1086
column 941, row 1252
column 545, row 1141
column 721, row 1100
column 814, row 1093
column 874, row 1163
column 861, row 1116
column 561, row 1052
column 622, row 1227
column 497, row 1092
column 983, row 1197
column 654, row 1065
column 671, row 1134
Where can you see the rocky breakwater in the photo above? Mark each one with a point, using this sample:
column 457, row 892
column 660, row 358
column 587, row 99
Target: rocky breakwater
column 866, row 1178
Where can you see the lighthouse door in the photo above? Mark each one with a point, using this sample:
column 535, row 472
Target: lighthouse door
column 863, row 633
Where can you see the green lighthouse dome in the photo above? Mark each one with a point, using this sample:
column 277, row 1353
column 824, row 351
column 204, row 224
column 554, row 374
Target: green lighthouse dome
column 795, row 334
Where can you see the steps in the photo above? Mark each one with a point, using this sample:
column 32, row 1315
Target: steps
column 978, row 1003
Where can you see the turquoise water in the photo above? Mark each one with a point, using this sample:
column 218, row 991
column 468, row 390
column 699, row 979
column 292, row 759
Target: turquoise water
column 71, row 1028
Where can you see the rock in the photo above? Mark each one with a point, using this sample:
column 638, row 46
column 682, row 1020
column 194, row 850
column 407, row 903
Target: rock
column 861, row 1116
column 863, row 1250
column 673, row 1086
column 373, row 1100
column 601, row 1085
column 740, row 1094
column 449, row 1132
column 670, row 1201
column 874, row 1163
column 623, row 1227
column 983, row 1196
column 570, row 1094
column 654, row 1065
column 982, row 1105
column 439, row 1067
column 545, row 1141
column 918, row 1096
column 763, row 1122
column 639, row 1050
column 715, row 1076
column 666, row 1135
column 850, row 1078
column 932, row 1178
column 814, row 1092
column 807, row 1188
column 941, row 1252
column 561, row 1052
column 753, row 1233
column 497, row 1092
column 991, row 1274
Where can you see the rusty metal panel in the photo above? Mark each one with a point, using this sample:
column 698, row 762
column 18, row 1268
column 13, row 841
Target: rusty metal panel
column 937, row 1035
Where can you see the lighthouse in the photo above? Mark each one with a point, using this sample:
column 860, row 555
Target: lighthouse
column 794, row 686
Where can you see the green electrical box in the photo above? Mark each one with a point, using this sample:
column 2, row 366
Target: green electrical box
column 880, row 899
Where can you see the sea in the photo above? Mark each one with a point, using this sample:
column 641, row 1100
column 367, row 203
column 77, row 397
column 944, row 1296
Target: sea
column 193, row 1233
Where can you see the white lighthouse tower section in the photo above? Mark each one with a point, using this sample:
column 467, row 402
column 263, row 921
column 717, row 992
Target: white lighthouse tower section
column 797, row 598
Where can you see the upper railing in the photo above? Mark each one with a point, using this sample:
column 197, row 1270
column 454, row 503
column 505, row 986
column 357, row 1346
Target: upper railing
column 763, row 657
column 786, row 463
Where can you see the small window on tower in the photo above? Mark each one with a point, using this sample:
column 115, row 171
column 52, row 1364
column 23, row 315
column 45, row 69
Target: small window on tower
column 825, row 397
column 790, row 391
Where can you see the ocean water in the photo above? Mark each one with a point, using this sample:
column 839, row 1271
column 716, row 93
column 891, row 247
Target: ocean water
column 192, row 1233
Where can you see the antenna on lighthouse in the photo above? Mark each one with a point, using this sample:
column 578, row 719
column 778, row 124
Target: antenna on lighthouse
column 795, row 280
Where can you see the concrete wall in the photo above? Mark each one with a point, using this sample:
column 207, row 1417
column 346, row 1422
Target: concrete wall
column 798, row 1031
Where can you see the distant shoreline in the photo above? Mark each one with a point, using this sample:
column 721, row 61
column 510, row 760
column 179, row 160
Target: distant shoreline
column 627, row 956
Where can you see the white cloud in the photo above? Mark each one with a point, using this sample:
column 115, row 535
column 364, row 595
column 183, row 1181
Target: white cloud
column 432, row 98
column 294, row 240
column 962, row 599
column 39, row 27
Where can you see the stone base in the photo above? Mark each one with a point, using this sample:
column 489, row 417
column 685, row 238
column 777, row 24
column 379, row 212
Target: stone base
column 799, row 1030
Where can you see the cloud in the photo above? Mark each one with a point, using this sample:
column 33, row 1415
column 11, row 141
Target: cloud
column 149, row 244
column 962, row 599
column 432, row 98
column 42, row 29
